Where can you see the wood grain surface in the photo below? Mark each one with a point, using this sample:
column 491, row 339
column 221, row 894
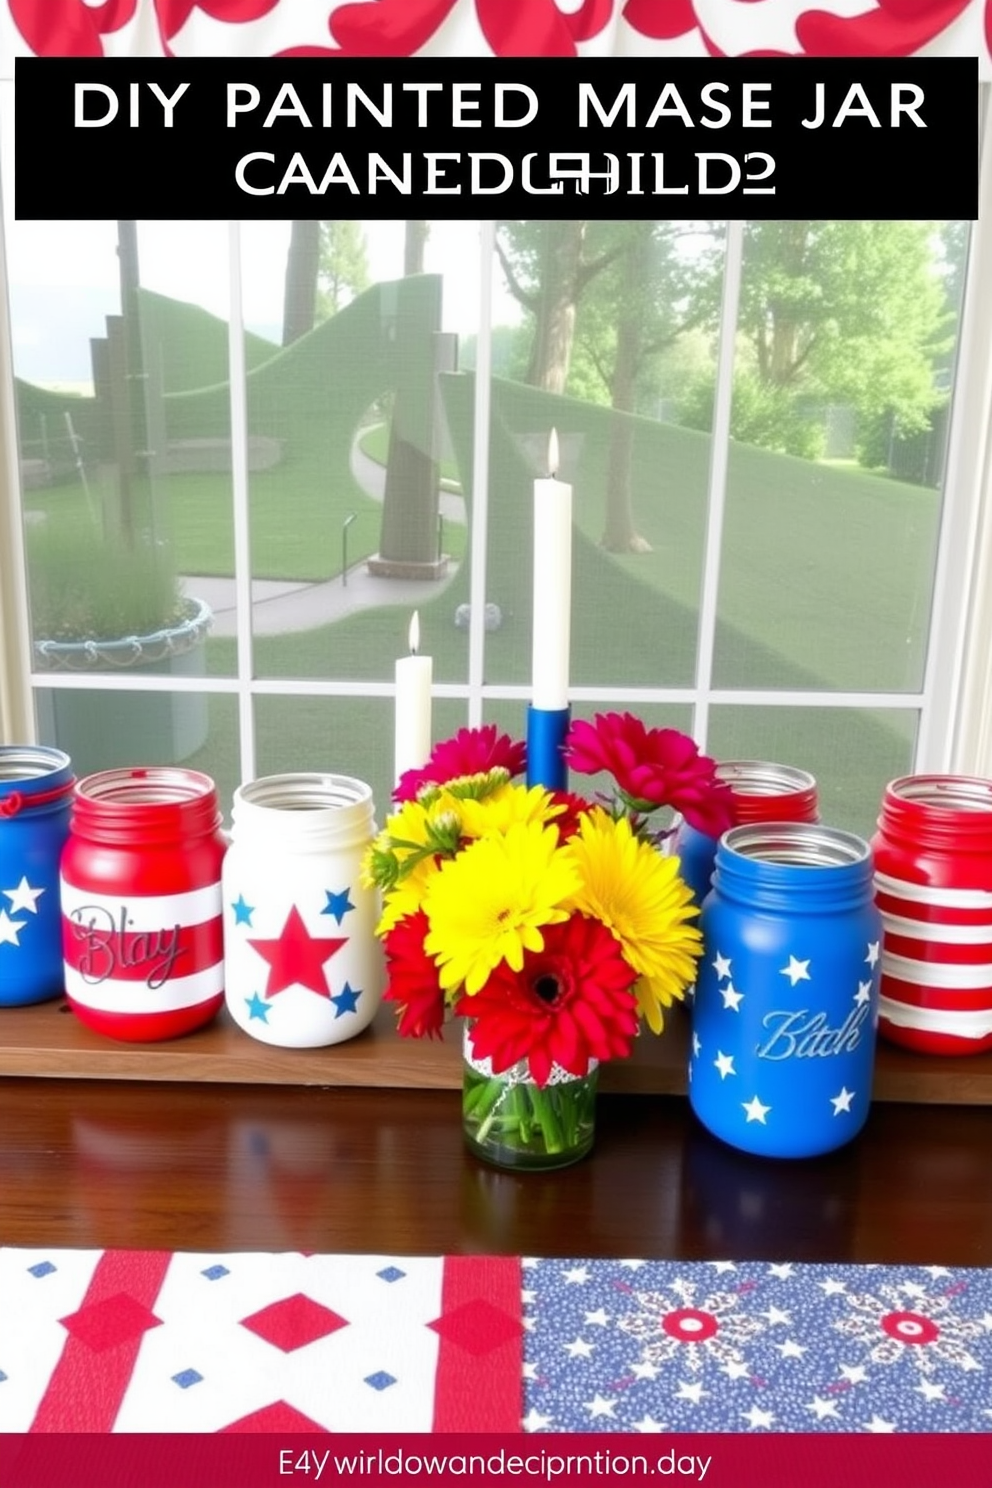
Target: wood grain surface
column 218, row 1167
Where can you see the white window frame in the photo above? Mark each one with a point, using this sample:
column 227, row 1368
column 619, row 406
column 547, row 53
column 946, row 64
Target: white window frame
column 954, row 702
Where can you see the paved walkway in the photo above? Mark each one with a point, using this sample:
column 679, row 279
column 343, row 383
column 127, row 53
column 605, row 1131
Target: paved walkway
column 280, row 607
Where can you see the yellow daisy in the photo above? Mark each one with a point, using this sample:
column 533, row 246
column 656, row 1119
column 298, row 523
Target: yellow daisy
column 487, row 905
column 411, row 829
column 640, row 897
column 510, row 803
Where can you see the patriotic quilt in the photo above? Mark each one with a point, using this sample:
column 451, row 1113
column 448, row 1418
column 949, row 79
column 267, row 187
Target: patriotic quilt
column 157, row 1341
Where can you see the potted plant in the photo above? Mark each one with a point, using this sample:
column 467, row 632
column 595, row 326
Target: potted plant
column 98, row 605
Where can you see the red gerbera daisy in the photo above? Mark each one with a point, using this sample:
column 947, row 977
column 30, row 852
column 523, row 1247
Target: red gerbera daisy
column 472, row 751
column 413, row 979
column 570, row 1003
column 568, row 822
column 653, row 767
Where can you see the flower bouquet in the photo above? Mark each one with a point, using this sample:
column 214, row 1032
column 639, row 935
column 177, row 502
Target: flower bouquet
column 551, row 923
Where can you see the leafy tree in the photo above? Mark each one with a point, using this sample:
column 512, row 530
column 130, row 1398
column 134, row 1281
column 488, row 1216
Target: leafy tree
column 852, row 313
column 548, row 267
column 846, row 312
column 342, row 265
column 326, row 266
column 663, row 283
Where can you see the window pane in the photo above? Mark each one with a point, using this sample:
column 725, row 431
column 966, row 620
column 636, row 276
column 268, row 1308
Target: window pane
column 104, row 729
column 845, row 346
column 851, row 752
column 360, row 504
column 610, row 321
column 342, row 736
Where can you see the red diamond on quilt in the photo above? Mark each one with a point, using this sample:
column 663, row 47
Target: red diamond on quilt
column 477, row 1326
column 104, row 1325
column 294, row 1322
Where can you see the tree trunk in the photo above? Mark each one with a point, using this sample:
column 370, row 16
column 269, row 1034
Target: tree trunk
column 781, row 353
column 414, row 243
column 561, row 262
column 620, row 535
column 300, row 294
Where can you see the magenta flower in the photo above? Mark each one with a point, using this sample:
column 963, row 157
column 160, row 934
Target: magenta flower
column 470, row 752
column 652, row 768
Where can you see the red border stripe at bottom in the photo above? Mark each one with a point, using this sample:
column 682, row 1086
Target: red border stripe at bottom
column 565, row 1461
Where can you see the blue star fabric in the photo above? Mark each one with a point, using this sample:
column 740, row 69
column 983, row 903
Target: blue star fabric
column 724, row 1346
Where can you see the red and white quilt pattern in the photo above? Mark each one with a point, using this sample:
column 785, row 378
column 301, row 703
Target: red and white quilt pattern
column 502, row 28
column 155, row 1341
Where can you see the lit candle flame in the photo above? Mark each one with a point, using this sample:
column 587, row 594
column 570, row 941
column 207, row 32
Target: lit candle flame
column 553, row 453
column 414, row 633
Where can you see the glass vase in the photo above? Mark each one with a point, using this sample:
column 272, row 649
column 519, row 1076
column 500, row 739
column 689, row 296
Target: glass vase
column 512, row 1122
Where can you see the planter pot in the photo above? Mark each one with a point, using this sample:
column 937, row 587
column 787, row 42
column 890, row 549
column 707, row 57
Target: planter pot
column 102, row 730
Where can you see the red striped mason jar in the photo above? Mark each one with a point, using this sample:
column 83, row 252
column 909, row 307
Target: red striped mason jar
column 933, row 886
column 142, row 925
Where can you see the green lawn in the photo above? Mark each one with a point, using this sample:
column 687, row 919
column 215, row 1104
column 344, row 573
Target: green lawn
column 825, row 579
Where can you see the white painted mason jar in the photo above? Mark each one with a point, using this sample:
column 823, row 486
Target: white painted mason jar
column 303, row 966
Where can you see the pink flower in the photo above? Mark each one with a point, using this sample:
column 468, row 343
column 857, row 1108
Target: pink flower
column 652, row 768
column 470, row 752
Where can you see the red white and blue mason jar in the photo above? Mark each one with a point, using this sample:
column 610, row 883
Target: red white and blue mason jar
column 304, row 967
column 35, row 794
column 762, row 792
column 933, row 885
column 142, row 928
column 786, row 1005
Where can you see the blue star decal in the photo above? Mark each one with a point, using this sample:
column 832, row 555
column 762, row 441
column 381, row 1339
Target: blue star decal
column 346, row 1001
column 337, row 905
column 257, row 1008
column 242, row 911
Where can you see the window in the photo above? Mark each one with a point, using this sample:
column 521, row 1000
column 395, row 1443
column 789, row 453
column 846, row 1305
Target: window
column 775, row 434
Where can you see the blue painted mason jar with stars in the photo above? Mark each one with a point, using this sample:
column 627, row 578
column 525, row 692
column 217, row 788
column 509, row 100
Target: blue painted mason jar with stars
column 303, row 968
column 786, row 1008
column 36, row 786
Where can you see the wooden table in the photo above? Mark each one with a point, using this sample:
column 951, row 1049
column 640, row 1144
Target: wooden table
column 226, row 1161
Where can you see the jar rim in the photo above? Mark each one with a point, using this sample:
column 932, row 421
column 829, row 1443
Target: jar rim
column 797, row 845
column 144, row 785
column 304, row 791
column 763, row 777
column 942, row 793
column 21, row 762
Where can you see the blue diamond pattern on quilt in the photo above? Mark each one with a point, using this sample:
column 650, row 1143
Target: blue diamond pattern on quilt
column 380, row 1380
column 41, row 1268
column 187, row 1377
column 391, row 1273
column 214, row 1273
column 675, row 1346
